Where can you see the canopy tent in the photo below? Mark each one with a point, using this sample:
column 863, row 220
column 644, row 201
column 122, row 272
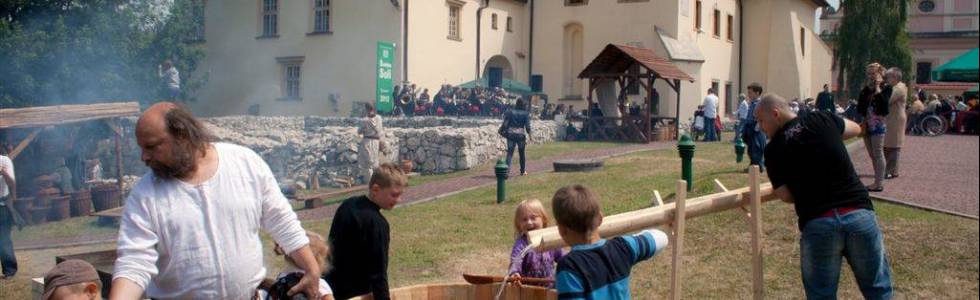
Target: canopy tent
column 511, row 86
column 963, row 68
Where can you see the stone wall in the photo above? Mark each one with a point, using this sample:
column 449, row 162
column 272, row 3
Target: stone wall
column 296, row 147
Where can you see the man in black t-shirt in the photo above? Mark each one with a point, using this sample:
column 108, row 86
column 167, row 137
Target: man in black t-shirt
column 809, row 166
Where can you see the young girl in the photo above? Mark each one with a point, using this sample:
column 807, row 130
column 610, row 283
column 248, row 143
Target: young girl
column 321, row 253
column 530, row 215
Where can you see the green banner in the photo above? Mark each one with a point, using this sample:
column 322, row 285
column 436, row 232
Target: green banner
column 386, row 54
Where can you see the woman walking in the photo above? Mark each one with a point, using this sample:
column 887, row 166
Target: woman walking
column 873, row 107
column 895, row 122
column 516, row 128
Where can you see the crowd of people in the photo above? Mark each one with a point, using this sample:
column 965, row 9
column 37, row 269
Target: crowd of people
column 410, row 100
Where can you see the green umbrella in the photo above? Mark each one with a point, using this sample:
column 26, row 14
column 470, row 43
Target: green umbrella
column 963, row 68
column 511, row 86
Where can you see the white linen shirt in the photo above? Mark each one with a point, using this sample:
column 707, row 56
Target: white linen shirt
column 711, row 106
column 183, row 241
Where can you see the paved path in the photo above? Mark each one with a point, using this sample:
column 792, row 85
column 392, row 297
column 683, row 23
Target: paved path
column 939, row 172
column 416, row 194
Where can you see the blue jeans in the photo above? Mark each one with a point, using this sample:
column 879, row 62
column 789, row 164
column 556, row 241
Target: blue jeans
column 709, row 130
column 7, row 258
column 855, row 236
column 756, row 142
column 520, row 143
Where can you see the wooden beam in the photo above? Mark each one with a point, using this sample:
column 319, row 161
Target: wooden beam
column 628, row 222
column 758, row 291
column 119, row 165
column 719, row 187
column 63, row 114
column 657, row 200
column 677, row 122
column 24, row 143
column 676, row 282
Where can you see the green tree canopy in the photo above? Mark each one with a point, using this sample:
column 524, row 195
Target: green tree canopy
column 871, row 31
column 75, row 51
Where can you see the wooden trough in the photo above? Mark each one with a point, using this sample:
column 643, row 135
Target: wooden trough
column 466, row 291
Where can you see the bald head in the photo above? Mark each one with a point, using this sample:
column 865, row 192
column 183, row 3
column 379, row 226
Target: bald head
column 171, row 139
column 772, row 113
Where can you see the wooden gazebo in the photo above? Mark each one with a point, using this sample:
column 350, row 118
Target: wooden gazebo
column 37, row 118
column 628, row 66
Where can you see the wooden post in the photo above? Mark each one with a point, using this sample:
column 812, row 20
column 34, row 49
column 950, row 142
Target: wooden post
column 677, row 122
column 114, row 124
column 678, row 240
column 755, row 201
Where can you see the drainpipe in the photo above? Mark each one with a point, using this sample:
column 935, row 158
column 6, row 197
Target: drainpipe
column 741, row 39
column 479, row 12
column 405, row 40
column 530, row 45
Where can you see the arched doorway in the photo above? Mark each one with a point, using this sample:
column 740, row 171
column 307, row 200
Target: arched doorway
column 572, row 61
column 499, row 61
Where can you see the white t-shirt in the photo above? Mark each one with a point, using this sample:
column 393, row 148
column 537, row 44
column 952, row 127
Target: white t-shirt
column 183, row 241
column 711, row 106
column 6, row 166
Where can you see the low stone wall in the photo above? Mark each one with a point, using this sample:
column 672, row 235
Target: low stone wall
column 296, row 147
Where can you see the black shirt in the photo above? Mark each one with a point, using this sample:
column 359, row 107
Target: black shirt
column 809, row 157
column 359, row 237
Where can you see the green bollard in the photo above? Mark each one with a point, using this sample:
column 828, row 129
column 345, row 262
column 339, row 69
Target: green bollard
column 739, row 150
column 501, row 170
column 685, row 147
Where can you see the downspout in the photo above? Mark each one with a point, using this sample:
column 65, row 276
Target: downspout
column 530, row 46
column 405, row 41
column 479, row 12
column 741, row 39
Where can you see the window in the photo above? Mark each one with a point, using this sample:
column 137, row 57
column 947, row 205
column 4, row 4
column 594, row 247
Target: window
column 730, row 29
column 321, row 16
column 493, row 21
column 510, row 24
column 730, row 105
column 697, row 16
column 803, row 41
column 576, row 2
column 270, row 18
column 291, row 77
column 454, row 13
column 923, row 70
column 717, row 19
column 927, row 6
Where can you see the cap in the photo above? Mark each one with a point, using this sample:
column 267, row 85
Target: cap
column 68, row 272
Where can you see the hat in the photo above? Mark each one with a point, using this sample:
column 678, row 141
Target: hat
column 68, row 272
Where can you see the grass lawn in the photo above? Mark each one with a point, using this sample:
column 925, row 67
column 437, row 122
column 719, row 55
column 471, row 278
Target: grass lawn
column 933, row 256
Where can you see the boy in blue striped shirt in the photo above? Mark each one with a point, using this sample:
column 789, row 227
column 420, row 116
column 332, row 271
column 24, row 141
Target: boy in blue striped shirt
column 596, row 268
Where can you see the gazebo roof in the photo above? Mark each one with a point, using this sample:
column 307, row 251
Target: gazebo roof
column 41, row 116
column 615, row 59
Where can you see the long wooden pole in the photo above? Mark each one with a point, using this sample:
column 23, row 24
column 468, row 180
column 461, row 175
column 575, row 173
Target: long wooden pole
column 624, row 223
column 119, row 164
column 758, row 291
column 23, row 144
column 678, row 241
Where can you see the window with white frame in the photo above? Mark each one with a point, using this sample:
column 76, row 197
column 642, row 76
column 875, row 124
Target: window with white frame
column 321, row 16
column 270, row 18
column 292, row 71
column 454, row 14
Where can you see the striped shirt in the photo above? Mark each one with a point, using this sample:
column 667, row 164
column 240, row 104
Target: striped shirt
column 602, row 270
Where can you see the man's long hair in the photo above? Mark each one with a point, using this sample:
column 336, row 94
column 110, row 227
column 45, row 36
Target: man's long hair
column 187, row 131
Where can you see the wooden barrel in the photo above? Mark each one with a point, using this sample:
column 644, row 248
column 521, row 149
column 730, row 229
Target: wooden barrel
column 39, row 215
column 60, row 208
column 43, row 196
column 466, row 291
column 105, row 196
column 23, row 207
column 81, row 203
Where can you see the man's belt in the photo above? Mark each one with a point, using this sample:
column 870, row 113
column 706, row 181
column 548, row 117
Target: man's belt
column 840, row 211
column 372, row 137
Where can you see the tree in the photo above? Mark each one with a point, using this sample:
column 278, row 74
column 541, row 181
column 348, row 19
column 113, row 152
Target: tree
column 871, row 31
column 73, row 51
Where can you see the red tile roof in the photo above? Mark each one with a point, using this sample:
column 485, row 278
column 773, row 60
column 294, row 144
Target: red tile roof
column 618, row 59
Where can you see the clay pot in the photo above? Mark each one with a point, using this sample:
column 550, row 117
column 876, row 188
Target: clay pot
column 407, row 165
column 43, row 197
column 81, row 203
column 43, row 182
column 60, row 208
column 39, row 215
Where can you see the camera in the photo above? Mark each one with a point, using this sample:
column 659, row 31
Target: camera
column 281, row 287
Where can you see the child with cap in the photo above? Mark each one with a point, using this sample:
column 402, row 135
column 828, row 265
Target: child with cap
column 72, row 279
